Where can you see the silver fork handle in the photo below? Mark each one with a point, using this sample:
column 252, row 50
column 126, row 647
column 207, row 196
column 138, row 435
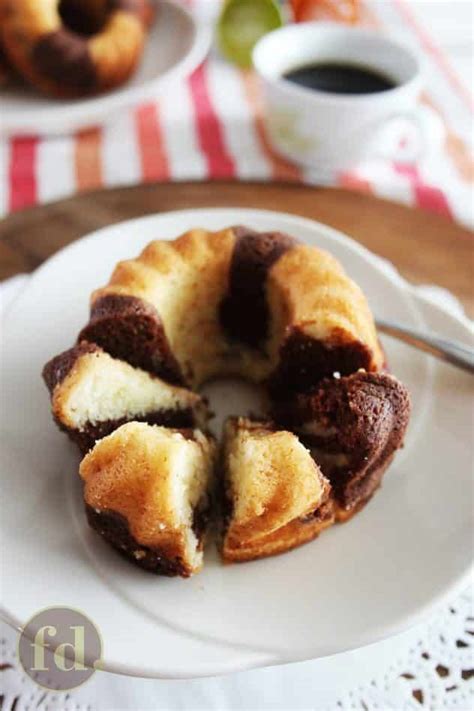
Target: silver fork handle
column 449, row 351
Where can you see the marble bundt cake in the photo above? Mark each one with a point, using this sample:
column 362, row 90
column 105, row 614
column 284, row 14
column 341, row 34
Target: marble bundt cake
column 274, row 496
column 92, row 394
column 74, row 48
column 147, row 492
column 212, row 304
column 235, row 302
column 353, row 426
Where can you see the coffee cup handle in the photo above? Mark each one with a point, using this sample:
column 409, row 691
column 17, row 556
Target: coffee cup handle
column 430, row 135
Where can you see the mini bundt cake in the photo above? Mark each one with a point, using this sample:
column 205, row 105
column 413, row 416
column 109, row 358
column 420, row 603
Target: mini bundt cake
column 235, row 302
column 74, row 48
column 274, row 495
column 353, row 426
column 92, row 394
column 147, row 493
column 212, row 304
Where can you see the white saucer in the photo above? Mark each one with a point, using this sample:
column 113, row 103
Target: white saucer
column 175, row 46
column 358, row 583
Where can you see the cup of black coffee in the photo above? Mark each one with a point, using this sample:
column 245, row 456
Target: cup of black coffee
column 330, row 90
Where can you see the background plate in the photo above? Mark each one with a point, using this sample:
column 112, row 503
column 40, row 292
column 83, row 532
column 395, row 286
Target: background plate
column 358, row 583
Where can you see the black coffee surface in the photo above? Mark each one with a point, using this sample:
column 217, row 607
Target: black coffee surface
column 336, row 78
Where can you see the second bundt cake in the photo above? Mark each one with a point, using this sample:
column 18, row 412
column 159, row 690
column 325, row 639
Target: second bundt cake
column 74, row 48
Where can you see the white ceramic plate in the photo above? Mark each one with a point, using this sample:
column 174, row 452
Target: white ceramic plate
column 357, row 583
column 176, row 44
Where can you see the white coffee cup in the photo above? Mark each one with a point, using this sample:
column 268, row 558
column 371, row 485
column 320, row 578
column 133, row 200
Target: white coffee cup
column 326, row 130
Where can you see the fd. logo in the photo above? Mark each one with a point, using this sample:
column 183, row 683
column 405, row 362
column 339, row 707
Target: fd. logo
column 60, row 648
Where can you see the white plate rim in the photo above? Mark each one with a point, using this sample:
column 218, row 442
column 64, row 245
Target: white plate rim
column 97, row 110
column 423, row 610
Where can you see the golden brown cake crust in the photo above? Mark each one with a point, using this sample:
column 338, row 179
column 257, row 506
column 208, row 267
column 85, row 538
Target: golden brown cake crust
column 274, row 495
column 130, row 492
column 294, row 534
column 327, row 323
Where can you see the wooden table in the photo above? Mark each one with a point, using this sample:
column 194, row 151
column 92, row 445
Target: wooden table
column 424, row 247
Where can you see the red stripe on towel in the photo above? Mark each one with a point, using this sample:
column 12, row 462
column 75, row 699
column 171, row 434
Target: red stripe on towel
column 428, row 197
column 209, row 128
column 22, row 172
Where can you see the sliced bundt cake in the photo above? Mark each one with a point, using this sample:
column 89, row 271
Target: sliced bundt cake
column 92, row 394
column 353, row 426
column 258, row 305
column 239, row 302
column 147, row 493
column 274, row 495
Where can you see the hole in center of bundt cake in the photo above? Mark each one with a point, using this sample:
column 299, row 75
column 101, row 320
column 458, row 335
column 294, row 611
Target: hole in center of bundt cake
column 227, row 396
column 83, row 16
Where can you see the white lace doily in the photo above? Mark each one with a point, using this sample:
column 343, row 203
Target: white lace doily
column 435, row 672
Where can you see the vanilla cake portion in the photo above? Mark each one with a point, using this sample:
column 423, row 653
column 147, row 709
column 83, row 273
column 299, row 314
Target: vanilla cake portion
column 147, row 492
column 92, row 394
column 275, row 496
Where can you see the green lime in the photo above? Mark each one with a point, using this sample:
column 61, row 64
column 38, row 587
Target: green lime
column 242, row 23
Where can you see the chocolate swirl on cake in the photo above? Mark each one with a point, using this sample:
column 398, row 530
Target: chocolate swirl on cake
column 244, row 312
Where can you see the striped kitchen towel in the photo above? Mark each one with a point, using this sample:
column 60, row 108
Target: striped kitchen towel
column 209, row 127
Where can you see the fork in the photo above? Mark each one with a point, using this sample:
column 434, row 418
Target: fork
column 449, row 351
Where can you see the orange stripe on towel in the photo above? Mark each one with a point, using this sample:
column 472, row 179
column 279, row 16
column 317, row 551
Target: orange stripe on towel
column 154, row 162
column 352, row 181
column 88, row 159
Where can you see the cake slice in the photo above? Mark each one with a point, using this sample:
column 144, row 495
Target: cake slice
column 92, row 394
column 147, row 492
column 353, row 426
column 275, row 496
